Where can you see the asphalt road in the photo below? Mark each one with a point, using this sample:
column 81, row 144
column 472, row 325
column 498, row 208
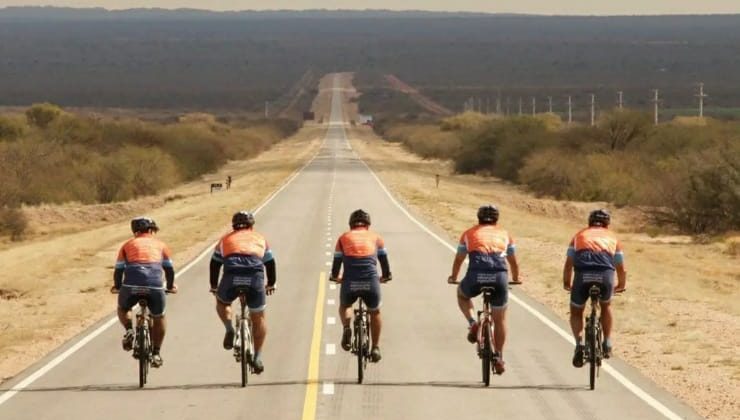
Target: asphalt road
column 428, row 370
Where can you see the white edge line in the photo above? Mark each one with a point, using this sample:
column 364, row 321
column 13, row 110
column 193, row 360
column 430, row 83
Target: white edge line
column 631, row 386
column 89, row 337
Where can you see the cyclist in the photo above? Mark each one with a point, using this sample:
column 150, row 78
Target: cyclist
column 138, row 275
column 488, row 247
column 595, row 253
column 359, row 250
column 246, row 256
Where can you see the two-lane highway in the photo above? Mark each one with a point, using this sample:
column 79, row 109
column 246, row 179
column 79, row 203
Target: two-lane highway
column 428, row 370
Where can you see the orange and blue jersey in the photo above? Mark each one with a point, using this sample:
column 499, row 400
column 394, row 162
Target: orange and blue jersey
column 242, row 251
column 487, row 247
column 142, row 258
column 595, row 248
column 359, row 250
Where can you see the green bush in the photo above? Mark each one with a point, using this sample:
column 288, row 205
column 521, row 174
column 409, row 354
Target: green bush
column 11, row 127
column 41, row 115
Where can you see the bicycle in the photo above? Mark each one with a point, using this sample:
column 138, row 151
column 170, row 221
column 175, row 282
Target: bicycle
column 143, row 341
column 243, row 339
column 361, row 339
column 485, row 341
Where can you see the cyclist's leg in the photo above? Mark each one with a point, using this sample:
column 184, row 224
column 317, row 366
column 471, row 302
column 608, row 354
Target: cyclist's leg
column 125, row 303
column 225, row 295
column 256, row 302
column 578, row 297
column 157, row 304
column 468, row 289
column 499, row 304
column 373, row 301
column 346, row 300
column 607, row 318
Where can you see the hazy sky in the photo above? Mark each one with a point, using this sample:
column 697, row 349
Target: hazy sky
column 598, row 7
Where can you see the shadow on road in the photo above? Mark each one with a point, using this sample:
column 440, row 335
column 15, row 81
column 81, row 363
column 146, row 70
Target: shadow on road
column 345, row 382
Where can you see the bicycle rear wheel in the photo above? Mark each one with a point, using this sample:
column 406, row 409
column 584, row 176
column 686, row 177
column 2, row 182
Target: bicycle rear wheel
column 143, row 349
column 592, row 349
column 486, row 354
column 360, row 342
column 243, row 351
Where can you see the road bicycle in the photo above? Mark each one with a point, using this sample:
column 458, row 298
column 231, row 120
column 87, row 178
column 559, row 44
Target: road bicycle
column 243, row 338
column 361, row 344
column 485, row 341
column 143, row 341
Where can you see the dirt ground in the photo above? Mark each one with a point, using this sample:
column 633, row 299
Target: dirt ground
column 56, row 284
column 678, row 323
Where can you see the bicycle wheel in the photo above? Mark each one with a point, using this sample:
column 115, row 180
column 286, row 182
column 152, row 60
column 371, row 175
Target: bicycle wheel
column 592, row 349
column 486, row 353
column 243, row 351
column 360, row 341
column 142, row 347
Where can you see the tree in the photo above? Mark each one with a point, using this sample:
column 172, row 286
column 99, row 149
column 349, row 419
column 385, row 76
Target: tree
column 624, row 126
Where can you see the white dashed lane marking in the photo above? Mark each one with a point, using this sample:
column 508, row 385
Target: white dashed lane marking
column 328, row 388
column 331, row 349
column 331, row 320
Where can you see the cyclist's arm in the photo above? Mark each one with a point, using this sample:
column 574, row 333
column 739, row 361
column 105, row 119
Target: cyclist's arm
column 271, row 272
column 385, row 267
column 117, row 278
column 119, row 268
column 514, row 265
column 215, row 269
column 456, row 264
column 621, row 272
column 567, row 272
column 336, row 265
column 169, row 276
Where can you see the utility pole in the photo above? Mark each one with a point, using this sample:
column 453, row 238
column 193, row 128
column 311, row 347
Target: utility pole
column 549, row 103
column 267, row 109
column 488, row 105
column 534, row 106
column 508, row 106
column 656, row 101
column 498, row 104
column 620, row 99
column 480, row 105
column 520, row 105
column 593, row 110
column 701, row 97
column 570, row 110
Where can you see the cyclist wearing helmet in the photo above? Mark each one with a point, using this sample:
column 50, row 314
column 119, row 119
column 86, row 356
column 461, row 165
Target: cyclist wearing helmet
column 245, row 255
column 138, row 275
column 488, row 247
column 595, row 253
column 359, row 250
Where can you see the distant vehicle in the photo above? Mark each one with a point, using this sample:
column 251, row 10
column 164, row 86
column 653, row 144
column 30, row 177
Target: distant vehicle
column 309, row 116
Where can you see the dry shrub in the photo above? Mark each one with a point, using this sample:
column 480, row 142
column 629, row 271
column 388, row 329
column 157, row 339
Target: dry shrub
column 468, row 120
column 13, row 223
column 426, row 140
column 11, row 127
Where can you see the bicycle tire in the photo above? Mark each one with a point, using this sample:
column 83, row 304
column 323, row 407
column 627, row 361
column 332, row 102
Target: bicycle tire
column 592, row 349
column 142, row 349
column 243, row 352
column 486, row 354
column 360, row 338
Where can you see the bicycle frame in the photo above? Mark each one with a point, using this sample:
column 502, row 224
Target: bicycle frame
column 361, row 339
column 485, row 340
column 142, row 341
column 593, row 351
column 243, row 342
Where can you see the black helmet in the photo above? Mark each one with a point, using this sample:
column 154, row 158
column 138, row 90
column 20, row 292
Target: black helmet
column 487, row 214
column 143, row 224
column 600, row 217
column 359, row 217
column 242, row 220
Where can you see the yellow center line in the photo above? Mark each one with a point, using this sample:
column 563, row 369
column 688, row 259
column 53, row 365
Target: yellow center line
column 312, row 387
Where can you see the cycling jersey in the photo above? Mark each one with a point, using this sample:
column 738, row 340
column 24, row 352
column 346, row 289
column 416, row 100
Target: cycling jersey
column 359, row 250
column 142, row 260
column 487, row 247
column 595, row 248
column 242, row 251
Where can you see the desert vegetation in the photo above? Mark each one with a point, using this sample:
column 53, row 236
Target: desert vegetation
column 48, row 155
column 686, row 175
